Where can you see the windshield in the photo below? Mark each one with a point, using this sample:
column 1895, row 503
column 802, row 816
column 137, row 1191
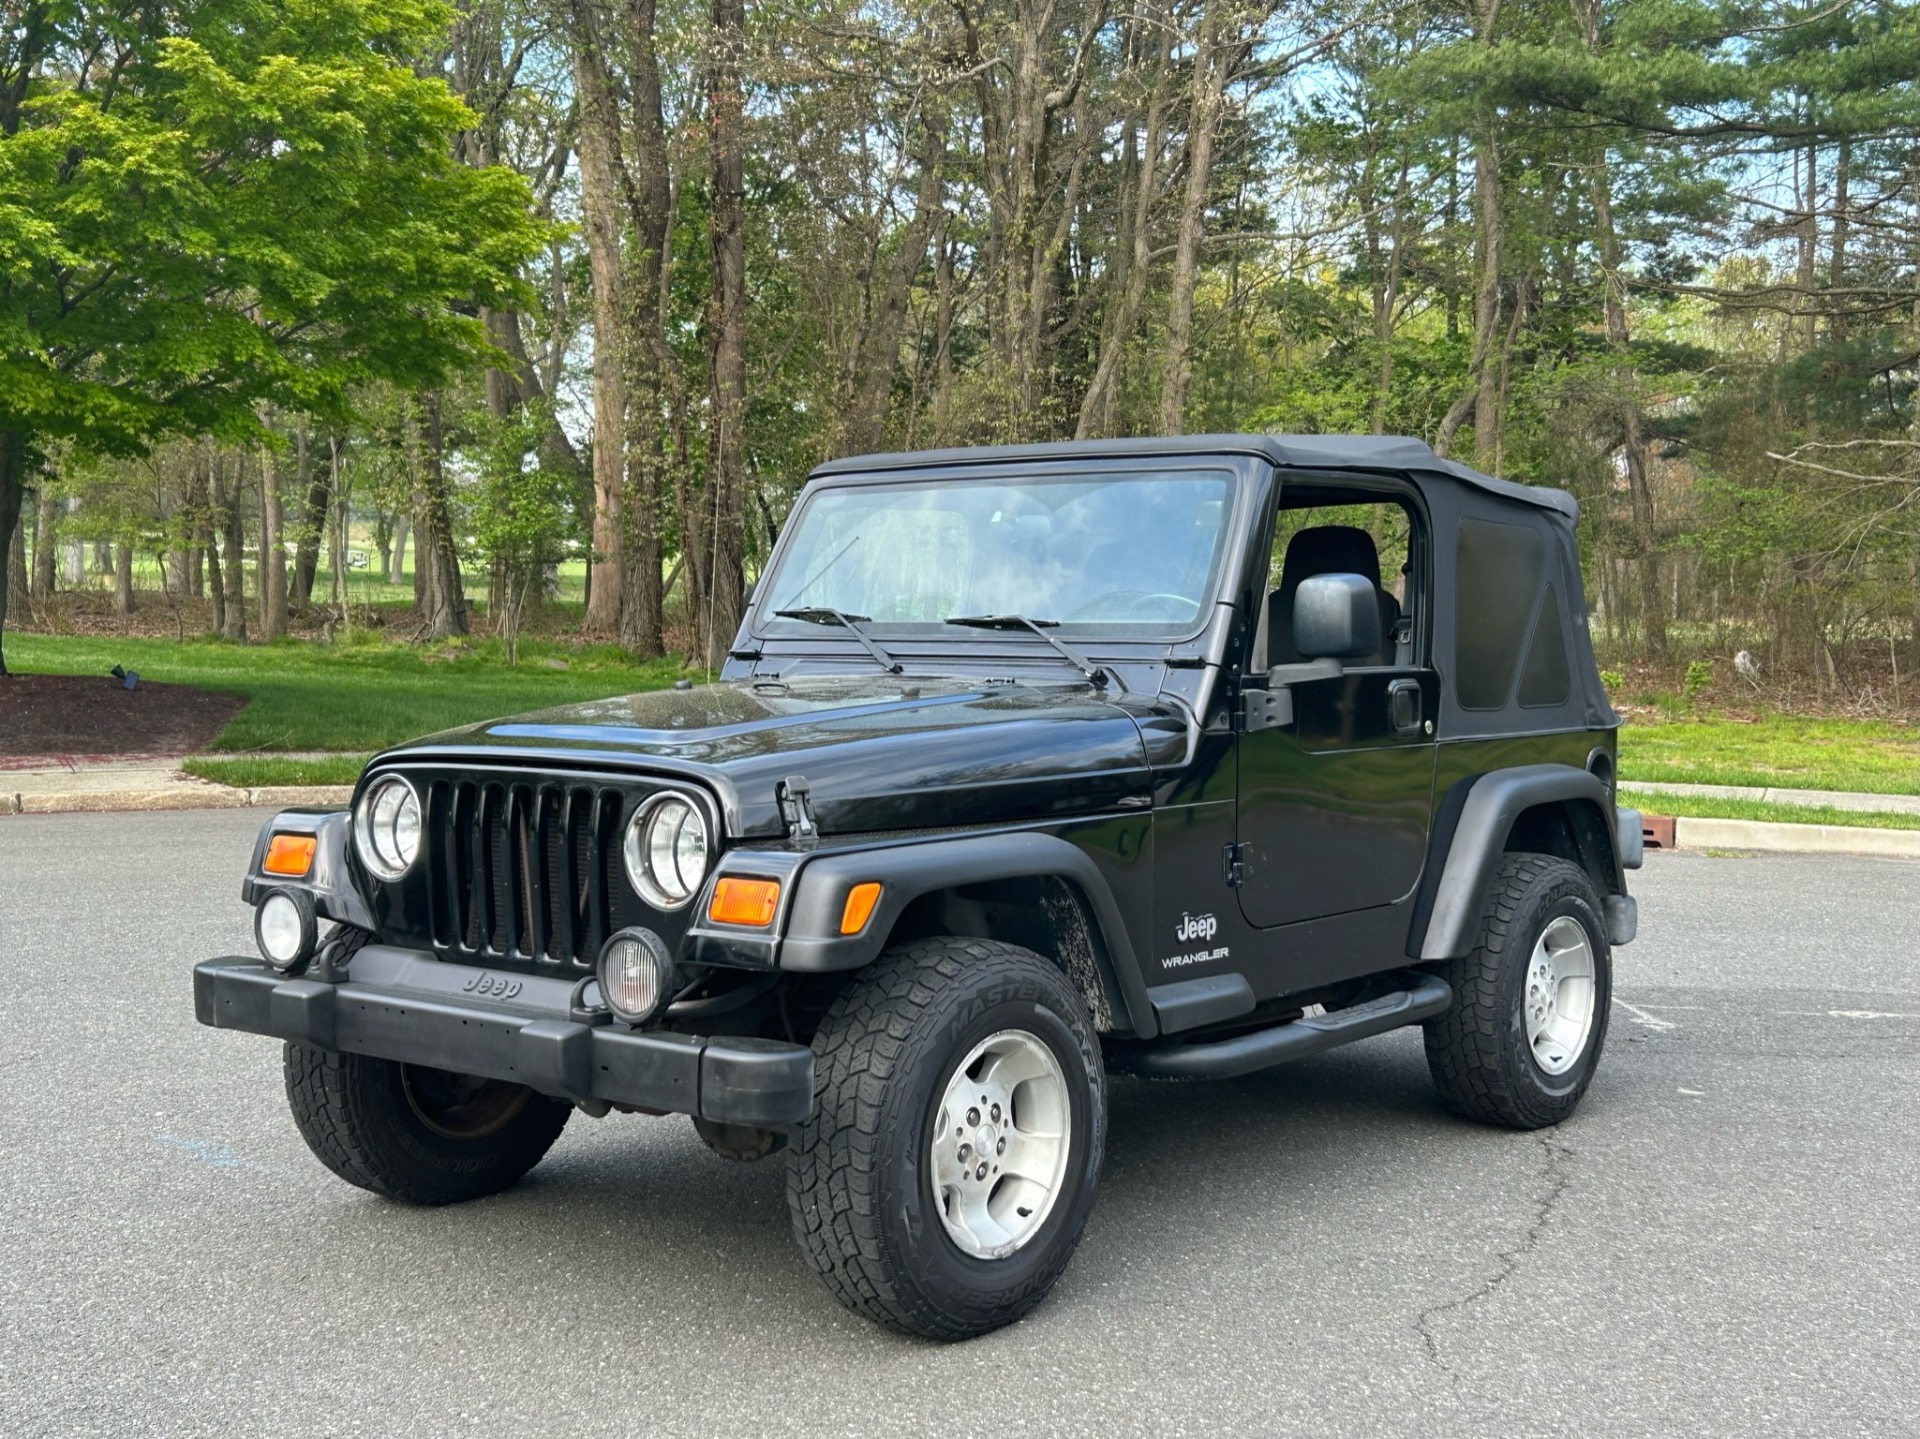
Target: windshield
column 1131, row 554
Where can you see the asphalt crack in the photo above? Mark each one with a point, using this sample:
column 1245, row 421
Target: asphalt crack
column 1555, row 1178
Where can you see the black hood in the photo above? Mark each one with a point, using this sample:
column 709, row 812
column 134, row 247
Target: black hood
column 878, row 752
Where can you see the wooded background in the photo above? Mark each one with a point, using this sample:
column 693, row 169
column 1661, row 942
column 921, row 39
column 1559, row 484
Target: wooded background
column 663, row 258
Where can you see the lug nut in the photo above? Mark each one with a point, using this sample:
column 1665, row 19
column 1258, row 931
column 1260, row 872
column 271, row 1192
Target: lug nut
column 966, row 1153
column 996, row 1114
column 981, row 1172
column 973, row 1116
column 1001, row 1147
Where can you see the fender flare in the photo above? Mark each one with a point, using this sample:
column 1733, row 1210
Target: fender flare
column 1483, row 810
column 330, row 880
column 812, row 942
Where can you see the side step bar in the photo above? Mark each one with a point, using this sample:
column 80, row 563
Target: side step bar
column 1244, row 1053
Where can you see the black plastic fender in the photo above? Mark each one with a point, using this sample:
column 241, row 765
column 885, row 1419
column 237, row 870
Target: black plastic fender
column 1481, row 815
column 329, row 881
column 812, row 941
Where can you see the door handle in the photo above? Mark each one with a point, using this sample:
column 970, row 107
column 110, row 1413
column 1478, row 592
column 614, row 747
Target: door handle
column 1404, row 706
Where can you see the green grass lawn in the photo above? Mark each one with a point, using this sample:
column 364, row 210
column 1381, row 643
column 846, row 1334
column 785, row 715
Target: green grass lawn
column 1702, row 807
column 260, row 771
column 1784, row 751
column 357, row 697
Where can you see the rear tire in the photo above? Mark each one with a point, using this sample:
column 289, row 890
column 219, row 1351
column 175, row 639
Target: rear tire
column 1520, row 1043
column 414, row 1134
column 879, row 1204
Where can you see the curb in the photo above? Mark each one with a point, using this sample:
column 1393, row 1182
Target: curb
column 1771, row 837
column 120, row 801
column 1831, row 799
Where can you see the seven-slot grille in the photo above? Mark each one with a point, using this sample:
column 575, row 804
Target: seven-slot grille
column 523, row 870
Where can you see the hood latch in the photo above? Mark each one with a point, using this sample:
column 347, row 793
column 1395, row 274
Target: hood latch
column 796, row 810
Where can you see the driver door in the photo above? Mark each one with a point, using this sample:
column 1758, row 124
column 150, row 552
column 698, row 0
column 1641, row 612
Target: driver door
column 1335, row 808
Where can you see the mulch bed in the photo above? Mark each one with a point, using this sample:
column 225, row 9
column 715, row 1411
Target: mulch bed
column 82, row 715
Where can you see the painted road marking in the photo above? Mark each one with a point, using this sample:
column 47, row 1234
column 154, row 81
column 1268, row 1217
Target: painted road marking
column 1651, row 1021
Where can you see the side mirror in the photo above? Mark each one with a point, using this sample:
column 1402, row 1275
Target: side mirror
column 1336, row 617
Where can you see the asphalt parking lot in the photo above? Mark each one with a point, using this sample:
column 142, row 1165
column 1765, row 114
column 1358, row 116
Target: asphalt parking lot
column 1721, row 1242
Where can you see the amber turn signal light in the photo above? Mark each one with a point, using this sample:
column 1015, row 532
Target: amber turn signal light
column 859, row 907
column 290, row 854
column 744, row 901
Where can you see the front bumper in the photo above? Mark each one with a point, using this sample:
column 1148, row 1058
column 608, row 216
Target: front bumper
column 405, row 1005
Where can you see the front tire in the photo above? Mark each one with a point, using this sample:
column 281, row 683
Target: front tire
column 1529, row 1017
column 950, row 1165
column 414, row 1134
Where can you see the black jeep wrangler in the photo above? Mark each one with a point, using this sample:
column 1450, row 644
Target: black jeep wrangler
column 1178, row 758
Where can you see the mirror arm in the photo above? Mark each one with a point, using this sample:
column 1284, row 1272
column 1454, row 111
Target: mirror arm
column 1304, row 673
column 1272, row 707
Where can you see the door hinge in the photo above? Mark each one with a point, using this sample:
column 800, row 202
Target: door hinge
column 1236, row 865
column 796, row 811
column 1266, row 709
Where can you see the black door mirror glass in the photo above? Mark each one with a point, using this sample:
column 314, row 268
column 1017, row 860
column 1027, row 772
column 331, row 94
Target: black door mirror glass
column 1336, row 617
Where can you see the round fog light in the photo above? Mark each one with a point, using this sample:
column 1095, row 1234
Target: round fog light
column 636, row 975
column 283, row 927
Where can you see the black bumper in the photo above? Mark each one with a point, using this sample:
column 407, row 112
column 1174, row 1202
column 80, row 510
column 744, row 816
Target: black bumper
column 405, row 1005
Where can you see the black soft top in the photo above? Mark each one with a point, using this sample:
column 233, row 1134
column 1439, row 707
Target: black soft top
column 1388, row 454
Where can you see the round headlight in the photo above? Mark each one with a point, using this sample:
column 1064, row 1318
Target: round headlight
column 386, row 827
column 666, row 851
column 636, row 975
column 283, row 927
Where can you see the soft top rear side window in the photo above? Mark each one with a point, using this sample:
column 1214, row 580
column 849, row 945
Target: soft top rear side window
column 1497, row 582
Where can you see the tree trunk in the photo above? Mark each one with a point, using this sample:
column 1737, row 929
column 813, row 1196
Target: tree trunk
column 316, row 490
column 876, row 359
column 651, row 378
column 598, row 151
column 1211, row 66
column 273, row 554
column 13, row 466
column 234, row 533
column 215, row 571
column 723, row 602
column 46, row 510
column 1386, row 295
column 396, row 556
column 1632, row 421
column 435, row 550
column 123, row 578
column 1842, row 225
column 73, row 550
column 1480, row 397
column 1135, row 261
column 337, row 541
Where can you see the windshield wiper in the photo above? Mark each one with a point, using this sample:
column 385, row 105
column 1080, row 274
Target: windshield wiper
column 826, row 615
column 1096, row 674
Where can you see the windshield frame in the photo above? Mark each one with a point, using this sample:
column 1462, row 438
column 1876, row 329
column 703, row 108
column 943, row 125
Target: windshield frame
column 1232, row 469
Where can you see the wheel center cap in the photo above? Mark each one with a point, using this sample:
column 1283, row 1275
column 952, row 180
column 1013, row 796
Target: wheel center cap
column 986, row 1140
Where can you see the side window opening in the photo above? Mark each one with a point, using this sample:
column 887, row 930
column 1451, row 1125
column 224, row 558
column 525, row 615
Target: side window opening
column 1319, row 535
column 1497, row 587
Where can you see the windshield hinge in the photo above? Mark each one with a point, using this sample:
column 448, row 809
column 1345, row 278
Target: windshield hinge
column 796, row 811
column 1236, row 865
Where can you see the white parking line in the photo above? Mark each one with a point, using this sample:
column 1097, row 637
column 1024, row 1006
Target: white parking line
column 1867, row 1014
column 1651, row 1021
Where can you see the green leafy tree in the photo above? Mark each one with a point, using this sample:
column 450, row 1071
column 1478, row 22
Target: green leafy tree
column 204, row 206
